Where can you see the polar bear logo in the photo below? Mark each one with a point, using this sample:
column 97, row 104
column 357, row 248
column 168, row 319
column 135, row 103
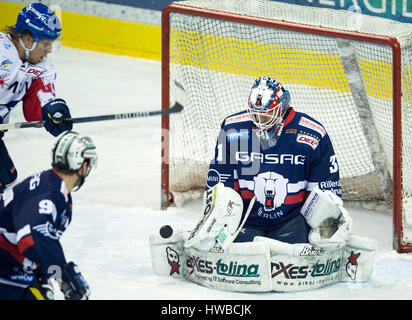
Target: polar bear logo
column 270, row 190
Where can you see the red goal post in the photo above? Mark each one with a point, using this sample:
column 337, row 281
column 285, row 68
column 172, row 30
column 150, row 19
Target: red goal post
column 186, row 71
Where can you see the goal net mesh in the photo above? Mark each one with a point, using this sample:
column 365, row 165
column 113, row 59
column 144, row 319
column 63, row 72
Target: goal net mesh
column 345, row 84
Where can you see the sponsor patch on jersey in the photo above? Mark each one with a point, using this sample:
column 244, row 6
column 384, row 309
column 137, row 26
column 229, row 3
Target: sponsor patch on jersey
column 214, row 177
column 5, row 65
column 35, row 71
column 238, row 118
column 305, row 122
column 238, row 135
column 306, row 139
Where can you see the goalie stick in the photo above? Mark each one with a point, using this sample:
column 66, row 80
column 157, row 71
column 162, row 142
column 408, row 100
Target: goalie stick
column 177, row 107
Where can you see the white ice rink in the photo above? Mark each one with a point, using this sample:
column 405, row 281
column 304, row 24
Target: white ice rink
column 119, row 206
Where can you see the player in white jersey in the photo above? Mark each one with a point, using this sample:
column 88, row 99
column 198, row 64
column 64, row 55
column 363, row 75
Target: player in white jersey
column 27, row 75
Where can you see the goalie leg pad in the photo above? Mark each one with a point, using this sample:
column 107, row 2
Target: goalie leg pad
column 358, row 259
column 265, row 264
column 243, row 267
column 302, row 266
column 167, row 254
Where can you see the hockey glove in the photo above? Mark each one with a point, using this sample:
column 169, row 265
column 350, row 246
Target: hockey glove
column 73, row 285
column 53, row 114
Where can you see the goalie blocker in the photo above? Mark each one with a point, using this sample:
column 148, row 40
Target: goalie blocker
column 334, row 254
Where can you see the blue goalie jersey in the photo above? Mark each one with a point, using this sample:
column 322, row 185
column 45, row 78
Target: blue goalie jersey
column 280, row 168
column 33, row 216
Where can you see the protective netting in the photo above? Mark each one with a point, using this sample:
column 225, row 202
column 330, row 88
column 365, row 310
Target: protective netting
column 345, row 84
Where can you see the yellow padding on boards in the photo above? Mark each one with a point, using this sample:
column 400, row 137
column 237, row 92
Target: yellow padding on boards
column 8, row 13
column 112, row 36
column 287, row 64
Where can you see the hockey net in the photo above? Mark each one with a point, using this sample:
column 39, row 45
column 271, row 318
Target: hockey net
column 351, row 72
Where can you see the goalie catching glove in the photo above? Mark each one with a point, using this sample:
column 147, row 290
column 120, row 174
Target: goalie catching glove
column 329, row 221
column 221, row 218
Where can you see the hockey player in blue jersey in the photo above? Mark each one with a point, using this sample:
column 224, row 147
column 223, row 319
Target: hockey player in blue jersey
column 33, row 216
column 278, row 155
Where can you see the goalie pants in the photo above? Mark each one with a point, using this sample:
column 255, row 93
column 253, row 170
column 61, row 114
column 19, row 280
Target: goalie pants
column 294, row 230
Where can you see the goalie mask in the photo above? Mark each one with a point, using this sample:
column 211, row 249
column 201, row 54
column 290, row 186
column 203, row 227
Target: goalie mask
column 71, row 151
column 268, row 102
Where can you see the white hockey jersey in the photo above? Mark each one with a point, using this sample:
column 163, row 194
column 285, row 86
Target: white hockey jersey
column 31, row 84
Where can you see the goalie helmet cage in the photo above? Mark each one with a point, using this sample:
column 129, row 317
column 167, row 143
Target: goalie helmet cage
column 350, row 71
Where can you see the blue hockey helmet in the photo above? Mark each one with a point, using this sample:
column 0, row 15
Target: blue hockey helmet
column 268, row 102
column 41, row 21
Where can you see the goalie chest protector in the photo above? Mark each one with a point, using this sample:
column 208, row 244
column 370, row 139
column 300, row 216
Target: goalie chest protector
column 280, row 169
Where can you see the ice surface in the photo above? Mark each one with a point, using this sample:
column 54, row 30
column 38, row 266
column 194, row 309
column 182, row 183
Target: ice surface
column 118, row 208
